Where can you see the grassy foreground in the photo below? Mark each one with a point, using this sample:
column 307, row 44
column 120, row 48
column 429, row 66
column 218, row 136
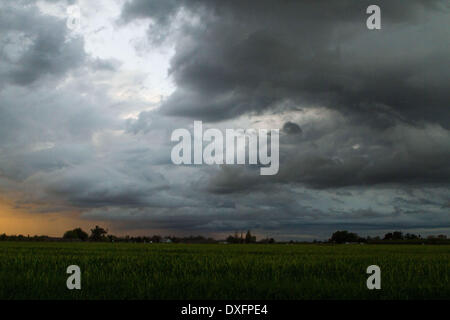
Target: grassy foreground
column 163, row 271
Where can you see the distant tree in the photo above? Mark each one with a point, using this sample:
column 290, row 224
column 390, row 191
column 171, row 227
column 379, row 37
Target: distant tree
column 345, row 236
column 156, row 239
column 77, row 233
column 411, row 236
column 267, row 240
column 249, row 238
column 397, row 235
column 98, row 234
column 236, row 238
column 70, row 235
column 240, row 238
column 388, row 236
column 112, row 238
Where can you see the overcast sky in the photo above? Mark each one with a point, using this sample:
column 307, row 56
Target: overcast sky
column 86, row 115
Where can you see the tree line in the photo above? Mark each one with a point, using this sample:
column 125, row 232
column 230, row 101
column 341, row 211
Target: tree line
column 390, row 237
column 99, row 234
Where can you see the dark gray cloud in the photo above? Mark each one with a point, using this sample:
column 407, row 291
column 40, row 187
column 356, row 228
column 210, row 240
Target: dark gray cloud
column 390, row 86
column 382, row 122
column 291, row 128
column 243, row 57
column 349, row 155
column 289, row 213
column 33, row 45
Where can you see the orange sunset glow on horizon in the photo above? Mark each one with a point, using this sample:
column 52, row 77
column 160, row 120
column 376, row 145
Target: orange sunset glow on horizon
column 17, row 221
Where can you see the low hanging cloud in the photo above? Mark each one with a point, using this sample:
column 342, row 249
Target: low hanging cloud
column 350, row 155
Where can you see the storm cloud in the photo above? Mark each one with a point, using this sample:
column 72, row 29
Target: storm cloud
column 86, row 120
column 238, row 57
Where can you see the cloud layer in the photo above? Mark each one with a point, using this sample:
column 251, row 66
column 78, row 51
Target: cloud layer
column 364, row 118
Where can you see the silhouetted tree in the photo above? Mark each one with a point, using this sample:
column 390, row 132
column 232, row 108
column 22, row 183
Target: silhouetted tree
column 77, row 233
column 249, row 238
column 397, row 235
column 156, row 239
column 98, row 234
column 388, row 236
column 112, row 238
column 345, row 236
column 410, row 236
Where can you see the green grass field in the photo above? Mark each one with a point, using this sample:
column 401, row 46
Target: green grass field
column 162, row 271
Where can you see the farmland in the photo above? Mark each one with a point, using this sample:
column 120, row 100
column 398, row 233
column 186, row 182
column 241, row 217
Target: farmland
column 181, row 271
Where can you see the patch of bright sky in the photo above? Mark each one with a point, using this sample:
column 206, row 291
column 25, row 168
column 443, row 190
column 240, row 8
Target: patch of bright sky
column 143, row 67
